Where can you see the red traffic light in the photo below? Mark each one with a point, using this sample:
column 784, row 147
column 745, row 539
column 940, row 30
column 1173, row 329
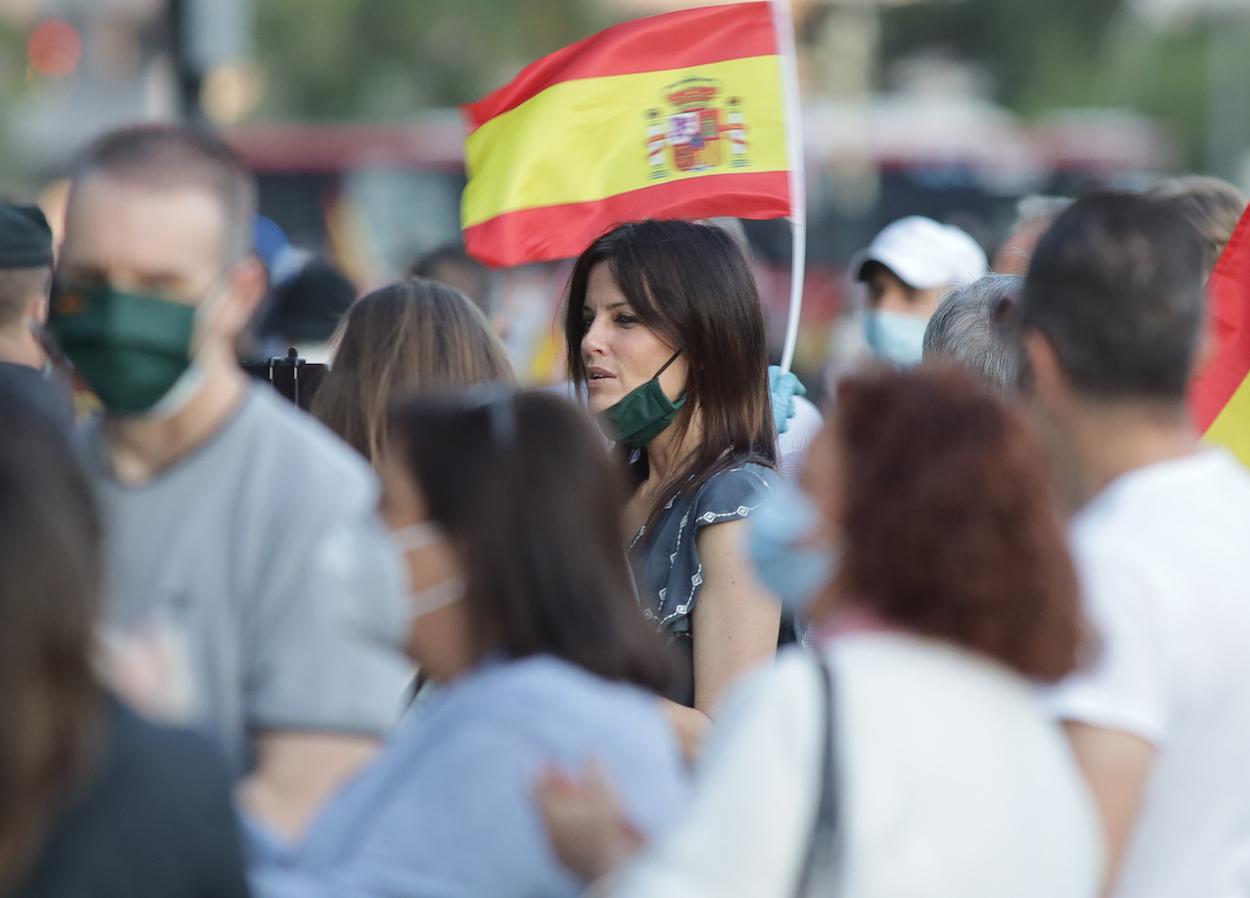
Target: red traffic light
column 54, row 48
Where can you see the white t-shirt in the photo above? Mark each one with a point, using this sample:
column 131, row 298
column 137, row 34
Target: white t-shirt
column 952, row 784
column 1164, row 558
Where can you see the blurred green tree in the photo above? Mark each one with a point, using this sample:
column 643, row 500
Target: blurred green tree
column 15, row 88
column 373, row 59
column 1041, row 54
column 1074, row 53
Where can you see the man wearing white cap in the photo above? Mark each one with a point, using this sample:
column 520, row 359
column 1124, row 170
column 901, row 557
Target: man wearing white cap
column 908, row 267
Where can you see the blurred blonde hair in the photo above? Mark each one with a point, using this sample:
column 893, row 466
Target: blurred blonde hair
column 410, row 337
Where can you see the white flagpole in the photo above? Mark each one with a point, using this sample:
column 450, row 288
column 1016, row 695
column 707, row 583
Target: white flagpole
column 784, row 20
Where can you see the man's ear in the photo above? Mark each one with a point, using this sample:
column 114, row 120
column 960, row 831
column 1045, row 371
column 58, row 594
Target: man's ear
column 246, row 284
column 38, row 305
column 1207, row 346
column 1047, row 379
column 37, row 309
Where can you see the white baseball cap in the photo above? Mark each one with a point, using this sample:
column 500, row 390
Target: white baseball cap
column 924, row 254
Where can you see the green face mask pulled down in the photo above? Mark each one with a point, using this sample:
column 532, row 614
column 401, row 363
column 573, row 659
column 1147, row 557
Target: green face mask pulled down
column 131, row 348
column 643, row 413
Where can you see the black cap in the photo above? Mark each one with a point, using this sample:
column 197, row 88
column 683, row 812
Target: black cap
column 309, row 305
column 25, row 238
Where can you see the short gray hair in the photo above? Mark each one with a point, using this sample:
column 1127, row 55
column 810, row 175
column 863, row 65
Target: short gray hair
column 968, row 328
column 164, row 156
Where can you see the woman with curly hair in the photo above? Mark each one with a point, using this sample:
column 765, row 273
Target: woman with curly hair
column 911, row 755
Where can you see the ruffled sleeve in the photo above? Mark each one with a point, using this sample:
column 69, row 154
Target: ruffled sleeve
column 674, row 565
column 732, row 495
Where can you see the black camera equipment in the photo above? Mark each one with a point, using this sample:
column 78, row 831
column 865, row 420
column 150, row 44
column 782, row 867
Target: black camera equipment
column 294, row 378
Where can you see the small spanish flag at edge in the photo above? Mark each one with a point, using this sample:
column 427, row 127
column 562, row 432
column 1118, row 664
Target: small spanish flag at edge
column 679, row 115
column 1221, row 393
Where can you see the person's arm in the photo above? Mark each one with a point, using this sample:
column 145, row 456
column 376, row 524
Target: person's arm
column 1116, row 710
column 1115, row 765
column 296, row 772
column 747, row 827
column 324, row 684
column 735, row 622
column 455, row 820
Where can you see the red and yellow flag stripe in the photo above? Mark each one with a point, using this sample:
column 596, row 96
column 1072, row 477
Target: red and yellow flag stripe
column 1221, row 392
column 677, row 115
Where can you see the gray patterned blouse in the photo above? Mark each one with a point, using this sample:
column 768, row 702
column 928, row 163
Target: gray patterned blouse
column 666, row 560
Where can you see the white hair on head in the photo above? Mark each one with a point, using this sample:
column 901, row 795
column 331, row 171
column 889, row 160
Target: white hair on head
column 969, row 329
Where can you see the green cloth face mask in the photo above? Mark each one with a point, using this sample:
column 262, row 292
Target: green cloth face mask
column 644, row 412
column 131, row 348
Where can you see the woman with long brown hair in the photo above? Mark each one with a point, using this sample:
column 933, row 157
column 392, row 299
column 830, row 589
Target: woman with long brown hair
column 665, row 336
column 408, row 337
column 87, row 789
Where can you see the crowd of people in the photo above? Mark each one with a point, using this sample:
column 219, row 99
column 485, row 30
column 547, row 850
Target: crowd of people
column 658, row 631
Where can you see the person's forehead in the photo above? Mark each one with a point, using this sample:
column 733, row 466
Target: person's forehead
column 601, row 287
column 116, row 223
column 880, row 275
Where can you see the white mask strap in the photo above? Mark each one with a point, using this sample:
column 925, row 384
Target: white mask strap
column 189, row 383
column 416, row 536
column 432, row 598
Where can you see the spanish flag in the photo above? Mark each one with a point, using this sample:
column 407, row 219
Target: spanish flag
column 1221, row 393
column 680, row 115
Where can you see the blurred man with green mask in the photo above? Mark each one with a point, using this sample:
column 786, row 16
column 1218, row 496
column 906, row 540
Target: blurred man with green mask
column 234, row 522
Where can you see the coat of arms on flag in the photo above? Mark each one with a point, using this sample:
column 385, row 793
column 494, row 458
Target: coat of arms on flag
column 700, row 130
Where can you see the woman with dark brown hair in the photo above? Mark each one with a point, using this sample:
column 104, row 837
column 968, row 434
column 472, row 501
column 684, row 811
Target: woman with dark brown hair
column 665, row 336
column 93, row 801
column 911, row 756
column 412, row 336
column 506, row 509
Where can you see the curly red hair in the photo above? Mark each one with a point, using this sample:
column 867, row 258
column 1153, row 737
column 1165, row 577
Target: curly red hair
column 949, row 526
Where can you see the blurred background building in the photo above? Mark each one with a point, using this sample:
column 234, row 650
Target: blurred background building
column 347, row 111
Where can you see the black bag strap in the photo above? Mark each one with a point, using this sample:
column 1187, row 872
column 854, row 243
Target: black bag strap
column 818, row 876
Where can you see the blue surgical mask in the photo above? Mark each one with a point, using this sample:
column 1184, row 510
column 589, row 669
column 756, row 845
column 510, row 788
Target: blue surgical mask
column 777, row 544
column 896, row 337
